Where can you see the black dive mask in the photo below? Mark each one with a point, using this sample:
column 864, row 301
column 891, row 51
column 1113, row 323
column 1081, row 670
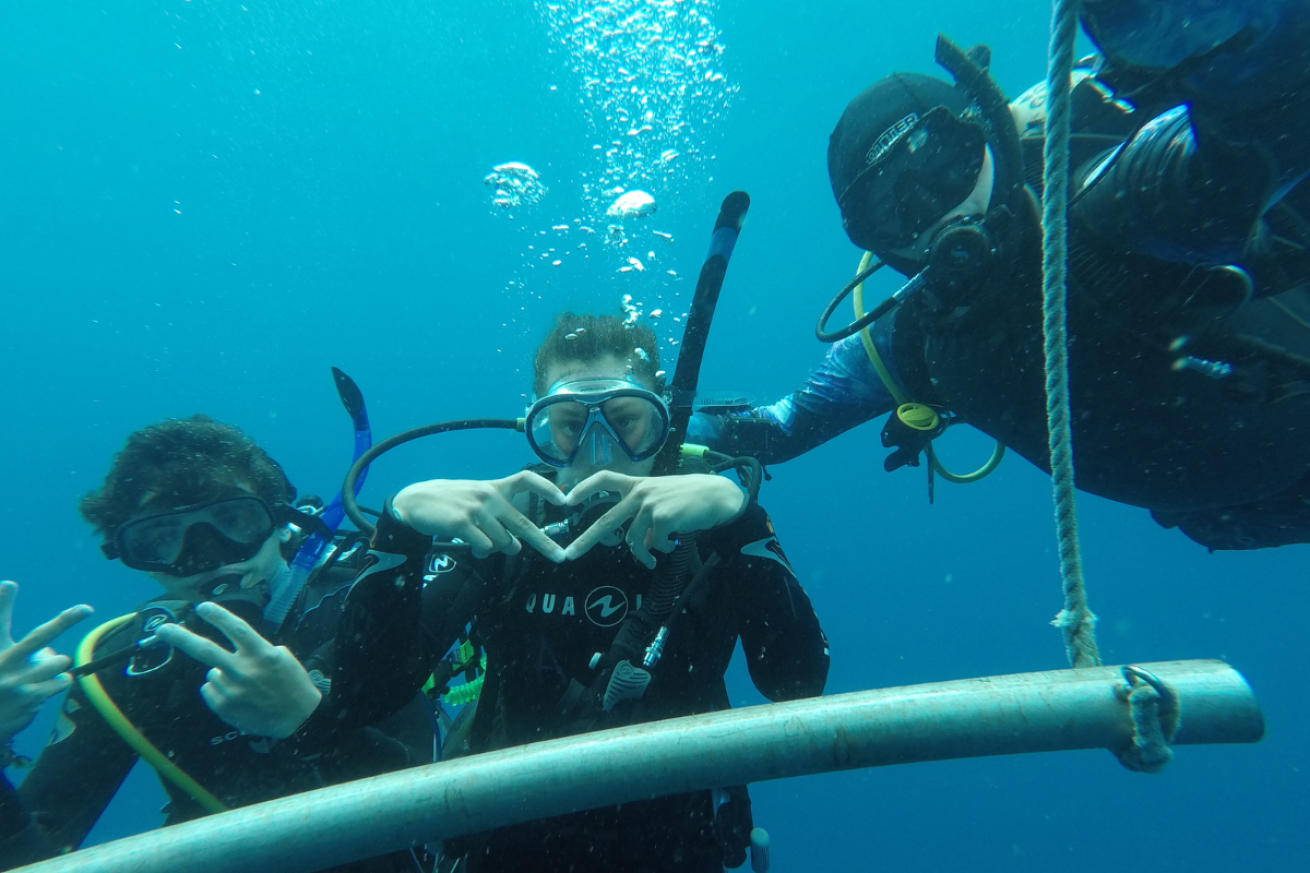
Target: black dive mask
column 196, row 539
column 925, row 172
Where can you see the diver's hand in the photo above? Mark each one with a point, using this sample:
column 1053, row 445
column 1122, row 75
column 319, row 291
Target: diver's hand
column 480, row 513
column 258, row 688
column 29, row 672
column 658, row 506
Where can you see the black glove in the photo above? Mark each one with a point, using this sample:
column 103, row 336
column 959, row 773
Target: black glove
column 909, row 439
column 733, row 825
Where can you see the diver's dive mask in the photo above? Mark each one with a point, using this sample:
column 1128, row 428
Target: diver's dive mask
column 927, row 170
column 196, row 539
column 597, row 416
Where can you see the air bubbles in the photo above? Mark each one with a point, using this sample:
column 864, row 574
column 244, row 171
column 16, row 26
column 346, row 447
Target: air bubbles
column 516, row 184
column 631, row 311
column 649, row 80
column 651, row 84
column 633, row 204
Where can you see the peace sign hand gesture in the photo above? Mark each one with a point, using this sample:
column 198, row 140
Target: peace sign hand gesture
column 258, row 688
column 29, row 672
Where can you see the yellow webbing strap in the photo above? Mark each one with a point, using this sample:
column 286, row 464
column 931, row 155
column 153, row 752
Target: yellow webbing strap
column 110, row 712
column 900, row 397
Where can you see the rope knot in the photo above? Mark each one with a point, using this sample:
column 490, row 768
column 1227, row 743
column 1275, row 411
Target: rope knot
column 1078, row 625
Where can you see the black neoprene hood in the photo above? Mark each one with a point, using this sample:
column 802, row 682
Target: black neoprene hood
column 870, row 123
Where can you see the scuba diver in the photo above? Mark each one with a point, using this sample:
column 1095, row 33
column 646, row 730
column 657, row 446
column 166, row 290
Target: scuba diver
column 625, row 607
column 198, row 681
column 1189, row 254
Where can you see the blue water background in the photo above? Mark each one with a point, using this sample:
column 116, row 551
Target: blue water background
column 203, row 205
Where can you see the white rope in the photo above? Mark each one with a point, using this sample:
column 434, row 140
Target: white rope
column 1075, row 620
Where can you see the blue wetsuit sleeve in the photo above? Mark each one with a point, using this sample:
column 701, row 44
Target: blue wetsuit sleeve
column 843, row 392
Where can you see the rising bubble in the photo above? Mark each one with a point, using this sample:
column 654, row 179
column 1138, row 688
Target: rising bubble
column 514, row 184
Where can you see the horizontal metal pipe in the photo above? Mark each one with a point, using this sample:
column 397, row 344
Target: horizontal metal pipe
column 999, row 715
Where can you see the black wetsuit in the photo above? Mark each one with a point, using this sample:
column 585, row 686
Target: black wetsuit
column 81, row 769
column 1188, row 315
column 541, row 624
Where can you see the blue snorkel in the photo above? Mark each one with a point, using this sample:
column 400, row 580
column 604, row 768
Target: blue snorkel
column 311, row 551
column 353, row 400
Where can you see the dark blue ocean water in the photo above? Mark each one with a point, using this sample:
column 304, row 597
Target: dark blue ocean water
column 204, row 205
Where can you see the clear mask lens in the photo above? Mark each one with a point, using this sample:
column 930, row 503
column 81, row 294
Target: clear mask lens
column 601, row 426
column 196, row 539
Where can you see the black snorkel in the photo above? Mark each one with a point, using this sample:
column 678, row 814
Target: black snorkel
column 964, row 251
column 969, row 69
column 686, row 377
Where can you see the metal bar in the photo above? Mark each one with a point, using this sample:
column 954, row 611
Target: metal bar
column 998, row 715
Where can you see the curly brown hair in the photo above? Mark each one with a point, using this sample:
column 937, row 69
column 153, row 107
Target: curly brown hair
column 583, row 339
column 190, row 460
